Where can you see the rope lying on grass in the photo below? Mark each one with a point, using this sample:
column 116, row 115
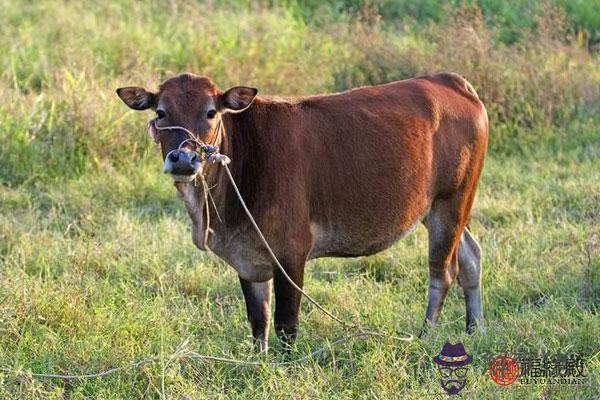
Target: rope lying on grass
column 213, row 156
column 189, row 355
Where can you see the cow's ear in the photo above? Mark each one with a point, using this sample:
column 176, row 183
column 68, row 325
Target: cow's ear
column 238, row 98
column 136, row 98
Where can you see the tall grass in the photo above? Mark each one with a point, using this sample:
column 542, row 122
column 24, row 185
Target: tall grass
column 65, row 59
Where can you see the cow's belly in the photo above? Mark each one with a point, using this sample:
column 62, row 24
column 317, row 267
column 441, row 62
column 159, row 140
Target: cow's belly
column 335, row 241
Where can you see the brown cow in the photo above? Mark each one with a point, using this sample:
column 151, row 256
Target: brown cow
column 340, row 175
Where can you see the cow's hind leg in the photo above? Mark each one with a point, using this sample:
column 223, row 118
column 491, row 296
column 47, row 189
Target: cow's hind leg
column 445, row 226
column 258, row 307
column 469, row 277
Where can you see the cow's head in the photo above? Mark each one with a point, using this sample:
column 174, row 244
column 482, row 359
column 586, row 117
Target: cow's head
column 190, row 102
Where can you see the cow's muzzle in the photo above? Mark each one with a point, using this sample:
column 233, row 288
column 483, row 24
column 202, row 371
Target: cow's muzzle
column 182, row 164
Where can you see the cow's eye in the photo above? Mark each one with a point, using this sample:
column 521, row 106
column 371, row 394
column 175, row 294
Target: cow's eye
column 160, row 114
column 211, row 114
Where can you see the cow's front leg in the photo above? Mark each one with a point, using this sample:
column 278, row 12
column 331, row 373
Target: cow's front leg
column 258, row 307
column 287, row 302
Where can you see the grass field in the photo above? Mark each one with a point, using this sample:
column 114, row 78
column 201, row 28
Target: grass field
column 97, row 266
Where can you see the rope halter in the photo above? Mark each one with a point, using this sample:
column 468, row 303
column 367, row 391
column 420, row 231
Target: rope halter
column 208, row 152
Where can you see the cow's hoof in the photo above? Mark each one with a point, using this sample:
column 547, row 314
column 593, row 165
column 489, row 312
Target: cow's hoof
column 287, row 341
column 261, row 344
column 476, row 326
column 425, row 328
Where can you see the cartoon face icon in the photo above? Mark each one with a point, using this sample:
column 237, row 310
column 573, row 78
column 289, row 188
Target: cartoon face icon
column 453, row 363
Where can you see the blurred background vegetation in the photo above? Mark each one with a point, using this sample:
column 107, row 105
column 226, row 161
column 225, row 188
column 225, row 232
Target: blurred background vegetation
column 534, row 63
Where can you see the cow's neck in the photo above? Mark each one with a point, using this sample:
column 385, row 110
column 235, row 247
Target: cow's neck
column 239, row 144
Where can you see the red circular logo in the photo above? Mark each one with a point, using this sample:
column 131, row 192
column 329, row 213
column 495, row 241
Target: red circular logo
column 504, row 370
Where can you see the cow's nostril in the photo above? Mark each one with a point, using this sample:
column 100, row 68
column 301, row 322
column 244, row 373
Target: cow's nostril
column 194, row 158
column 173, row 156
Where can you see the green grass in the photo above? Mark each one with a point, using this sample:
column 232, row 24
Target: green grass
column 97, row 266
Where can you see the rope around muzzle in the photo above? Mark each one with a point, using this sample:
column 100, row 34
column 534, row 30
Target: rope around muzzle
column 212, row 155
